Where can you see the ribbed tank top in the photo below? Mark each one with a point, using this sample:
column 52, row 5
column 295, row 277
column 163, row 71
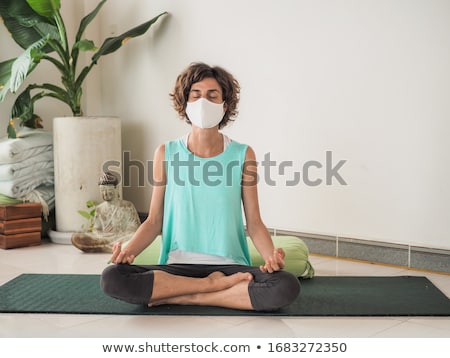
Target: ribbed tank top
column 202, row 203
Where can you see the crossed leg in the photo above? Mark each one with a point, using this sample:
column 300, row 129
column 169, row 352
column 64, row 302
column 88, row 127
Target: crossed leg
column 216, row 289
column 230, row 286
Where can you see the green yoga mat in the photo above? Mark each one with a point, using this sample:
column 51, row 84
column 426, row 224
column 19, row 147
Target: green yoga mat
column 320, row 296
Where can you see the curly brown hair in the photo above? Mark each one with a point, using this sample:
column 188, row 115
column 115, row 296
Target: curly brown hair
column 197, row 72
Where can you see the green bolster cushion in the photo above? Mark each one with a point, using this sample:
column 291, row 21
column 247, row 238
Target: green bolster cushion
column 296, row 259
column 297, row 255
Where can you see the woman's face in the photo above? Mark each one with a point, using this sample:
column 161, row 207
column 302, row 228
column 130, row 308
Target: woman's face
column 207, row 88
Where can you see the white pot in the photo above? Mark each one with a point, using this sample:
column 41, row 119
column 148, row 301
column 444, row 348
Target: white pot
column 82, row 148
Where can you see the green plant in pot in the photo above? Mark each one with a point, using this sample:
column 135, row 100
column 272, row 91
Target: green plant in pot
column 38, row 27
column 82, row 144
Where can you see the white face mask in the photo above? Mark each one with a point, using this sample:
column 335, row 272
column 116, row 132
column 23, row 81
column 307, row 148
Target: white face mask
column 204, row 114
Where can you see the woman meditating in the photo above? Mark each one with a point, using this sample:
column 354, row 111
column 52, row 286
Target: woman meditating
column 203, row 185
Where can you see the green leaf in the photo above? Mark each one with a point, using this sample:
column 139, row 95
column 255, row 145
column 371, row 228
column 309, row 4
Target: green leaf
column 19, row 70
column 5, row 75
column 5, row 199
column 83, row 24
column 46, row 8
column 23, row 65
column 11, row 130
column 46, row 28
column 24, row 24
column 112, row 44
column 87, row 20
column 4, row 91
column 5, row 71
column 90, row 203
column 84, row 214
column 23, row 106
column 85, row 45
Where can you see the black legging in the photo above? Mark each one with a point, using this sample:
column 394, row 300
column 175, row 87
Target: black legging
column 134, row 284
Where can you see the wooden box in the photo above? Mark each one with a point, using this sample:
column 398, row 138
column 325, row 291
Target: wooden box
column 20, row 240
column 19, row 226
column 20, row 211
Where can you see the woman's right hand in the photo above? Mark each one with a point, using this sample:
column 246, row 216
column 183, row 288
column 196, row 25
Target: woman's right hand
column 121, row 256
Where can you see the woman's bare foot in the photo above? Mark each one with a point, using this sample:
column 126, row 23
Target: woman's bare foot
column 219, row 281
column 216, row 281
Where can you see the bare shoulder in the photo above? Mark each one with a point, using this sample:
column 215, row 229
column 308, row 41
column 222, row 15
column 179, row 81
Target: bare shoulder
column 250, row 154
column 159, row 154
column 160, row 151
column 249, row 174
column 159, row 171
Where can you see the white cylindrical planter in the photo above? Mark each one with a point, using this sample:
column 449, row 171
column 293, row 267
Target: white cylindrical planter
column 83, row 148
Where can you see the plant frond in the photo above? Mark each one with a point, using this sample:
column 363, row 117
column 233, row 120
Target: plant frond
column 21, row 66
column 20, row 20
column 5, row 75
column 46, row 8
column 112, row 44
column 87, row 20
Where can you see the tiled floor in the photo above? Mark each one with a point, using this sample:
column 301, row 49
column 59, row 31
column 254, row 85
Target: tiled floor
column 55, row 258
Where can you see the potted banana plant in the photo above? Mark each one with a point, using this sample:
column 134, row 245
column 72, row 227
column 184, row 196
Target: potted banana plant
column 39, row 28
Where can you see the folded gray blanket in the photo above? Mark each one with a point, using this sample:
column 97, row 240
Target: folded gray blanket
column 30, row 143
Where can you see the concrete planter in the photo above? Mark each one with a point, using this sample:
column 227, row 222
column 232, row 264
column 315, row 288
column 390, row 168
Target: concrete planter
column 82, row 146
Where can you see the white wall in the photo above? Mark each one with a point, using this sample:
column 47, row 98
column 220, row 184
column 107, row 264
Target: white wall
column 367, row 80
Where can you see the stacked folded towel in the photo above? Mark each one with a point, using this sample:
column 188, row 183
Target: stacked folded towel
column 26, row 168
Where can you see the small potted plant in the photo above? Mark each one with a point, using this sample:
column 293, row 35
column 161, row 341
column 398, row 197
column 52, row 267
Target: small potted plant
column 38, row 27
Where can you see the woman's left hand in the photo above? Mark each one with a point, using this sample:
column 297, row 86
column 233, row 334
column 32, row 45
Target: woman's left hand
column 274, row 262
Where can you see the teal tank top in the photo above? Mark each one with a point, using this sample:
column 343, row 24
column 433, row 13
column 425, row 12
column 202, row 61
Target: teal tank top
column 203, row 204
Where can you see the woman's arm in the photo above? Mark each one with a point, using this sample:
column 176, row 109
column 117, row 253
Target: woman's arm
column 152, row 226
column 273, row 258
